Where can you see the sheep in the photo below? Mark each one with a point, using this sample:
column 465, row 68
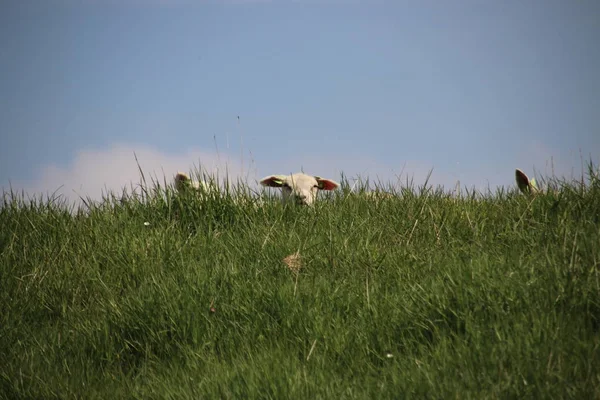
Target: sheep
column 183, row 183
column 376, row 196
column 299, row 188
column 526, row 185
column 205, row 190
column 379, row 195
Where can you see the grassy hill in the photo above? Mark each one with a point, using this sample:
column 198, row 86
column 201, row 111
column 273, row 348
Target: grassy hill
column 422, row 295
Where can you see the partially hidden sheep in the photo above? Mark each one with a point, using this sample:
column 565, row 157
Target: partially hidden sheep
column 379, row 195
column 184, row 183
column 526, row 186
column 299, row 188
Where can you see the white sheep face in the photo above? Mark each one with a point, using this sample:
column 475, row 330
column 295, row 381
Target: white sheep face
column 299, row 188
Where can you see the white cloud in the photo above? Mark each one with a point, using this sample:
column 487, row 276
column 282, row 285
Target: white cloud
column 93, row 172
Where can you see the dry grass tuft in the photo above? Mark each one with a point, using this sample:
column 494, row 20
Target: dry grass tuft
column 294, row 262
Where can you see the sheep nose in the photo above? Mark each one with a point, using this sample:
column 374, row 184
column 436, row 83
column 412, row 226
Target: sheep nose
column 301, row 198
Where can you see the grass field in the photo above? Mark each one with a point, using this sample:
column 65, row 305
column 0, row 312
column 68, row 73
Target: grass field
column 424, row 295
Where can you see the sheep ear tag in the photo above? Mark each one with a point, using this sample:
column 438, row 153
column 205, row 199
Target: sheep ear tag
column 272, row 181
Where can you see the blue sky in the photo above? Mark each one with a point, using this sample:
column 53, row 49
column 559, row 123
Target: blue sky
column 472, row 89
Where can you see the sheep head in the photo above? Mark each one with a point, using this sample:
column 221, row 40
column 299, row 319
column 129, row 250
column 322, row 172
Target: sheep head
column 299, row 188
column 183, row 182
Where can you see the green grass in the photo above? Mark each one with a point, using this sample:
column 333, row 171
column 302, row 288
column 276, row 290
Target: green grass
column 421, row 295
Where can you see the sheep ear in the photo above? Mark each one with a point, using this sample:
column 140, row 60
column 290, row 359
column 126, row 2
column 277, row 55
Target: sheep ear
column 273, row 181
column 522, row 181
column 326, row 184
column 181, row 176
